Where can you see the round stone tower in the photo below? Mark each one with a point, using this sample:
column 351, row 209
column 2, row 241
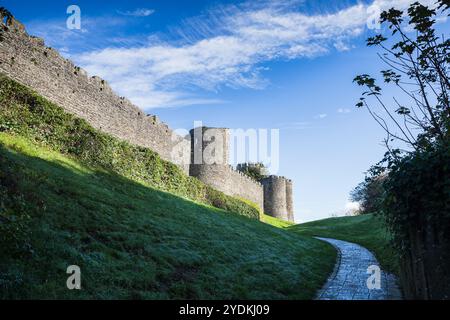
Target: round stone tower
column 275, row 197
column 209, row 156
column 210, row 146
column 289, row 201
column 209, row 164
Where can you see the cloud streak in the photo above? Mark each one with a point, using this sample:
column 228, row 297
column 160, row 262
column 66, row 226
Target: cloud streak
column 228, row 47
column 141, row 12
column 343, row 110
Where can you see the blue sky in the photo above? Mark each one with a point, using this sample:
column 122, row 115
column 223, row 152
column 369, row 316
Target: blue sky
column 285, row 64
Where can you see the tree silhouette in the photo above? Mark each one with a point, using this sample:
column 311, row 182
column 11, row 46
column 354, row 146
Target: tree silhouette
column 418, row 60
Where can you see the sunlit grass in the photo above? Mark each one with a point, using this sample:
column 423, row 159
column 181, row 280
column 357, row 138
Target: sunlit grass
column 367, row 230
column 275, row 221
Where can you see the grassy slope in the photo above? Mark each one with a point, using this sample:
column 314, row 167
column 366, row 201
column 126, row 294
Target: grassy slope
column 132, row 241
column 275, row 222
column 366, row 230
column 25, row 113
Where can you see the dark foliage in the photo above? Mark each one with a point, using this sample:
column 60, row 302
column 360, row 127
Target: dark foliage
column 416, row 198
column 256, row 171
column 369, row 194
column 417, row 211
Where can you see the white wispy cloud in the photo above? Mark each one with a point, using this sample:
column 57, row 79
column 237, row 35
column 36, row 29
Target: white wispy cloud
column 321, row 116
column 295, row 125
column 141, row 12
column 94, row 34
column 344, row 110
column 226, row 47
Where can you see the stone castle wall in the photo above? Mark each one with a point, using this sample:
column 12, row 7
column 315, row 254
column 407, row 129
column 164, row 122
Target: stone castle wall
column 209, row 163
column 224, row 178
column 27, row 60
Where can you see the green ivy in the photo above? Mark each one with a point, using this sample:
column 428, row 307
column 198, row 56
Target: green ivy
column 417, row 194
column 416, row 206
column 25, row 113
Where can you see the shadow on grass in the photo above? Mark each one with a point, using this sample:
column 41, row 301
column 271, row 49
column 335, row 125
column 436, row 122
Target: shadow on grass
column 135, row 242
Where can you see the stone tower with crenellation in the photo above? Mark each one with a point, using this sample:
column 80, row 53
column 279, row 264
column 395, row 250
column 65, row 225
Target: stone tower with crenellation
column 210, row 164
column 278, row 200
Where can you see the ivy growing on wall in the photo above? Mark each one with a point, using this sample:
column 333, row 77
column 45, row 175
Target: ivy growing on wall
column 25, row 113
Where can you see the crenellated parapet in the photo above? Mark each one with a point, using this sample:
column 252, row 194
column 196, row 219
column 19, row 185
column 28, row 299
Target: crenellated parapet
column 10, row 22
column 246, row 177
column 29, row 61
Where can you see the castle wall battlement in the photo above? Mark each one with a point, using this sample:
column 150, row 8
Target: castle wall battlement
column 244, row 176
column 27, row 60
column 211, row 147
column 224, row 178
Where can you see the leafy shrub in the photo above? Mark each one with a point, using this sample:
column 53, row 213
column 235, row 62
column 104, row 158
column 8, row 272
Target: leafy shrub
column 25, row 113
column 256, row 171
column 408, row 198
column 417, row 193
column 369, row 194
column 417, row 210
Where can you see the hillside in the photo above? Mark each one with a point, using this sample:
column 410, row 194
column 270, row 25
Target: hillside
column 366, row 230
column 24, row 112
column 137, row 227
column 276, row 222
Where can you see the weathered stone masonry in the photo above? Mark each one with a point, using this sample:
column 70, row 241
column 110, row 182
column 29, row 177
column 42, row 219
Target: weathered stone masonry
column 290, row 200
column 27, row 60
column 209, row 163
column 278, row 197
column 210, row 147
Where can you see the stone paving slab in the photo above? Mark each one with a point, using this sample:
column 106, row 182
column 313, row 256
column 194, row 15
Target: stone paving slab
column 349, row 278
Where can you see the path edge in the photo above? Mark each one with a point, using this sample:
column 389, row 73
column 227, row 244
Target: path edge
column 335, row 269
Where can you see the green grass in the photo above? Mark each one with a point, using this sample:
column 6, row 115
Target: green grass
column 136, row 242
column 135, row 224
column 367, row 230
column 275, row 221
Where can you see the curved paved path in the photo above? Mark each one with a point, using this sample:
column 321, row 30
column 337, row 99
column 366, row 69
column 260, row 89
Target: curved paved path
column 349, row 279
